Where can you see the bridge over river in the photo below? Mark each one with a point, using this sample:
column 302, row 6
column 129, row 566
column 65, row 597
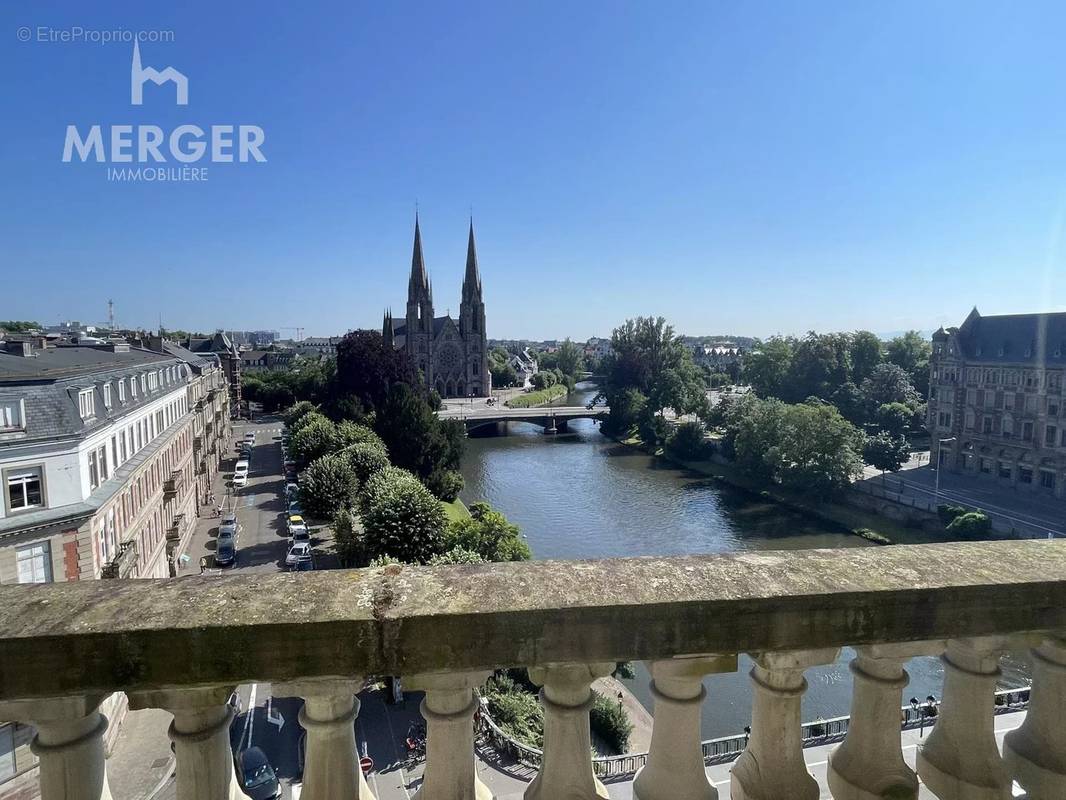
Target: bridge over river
column 553, row 419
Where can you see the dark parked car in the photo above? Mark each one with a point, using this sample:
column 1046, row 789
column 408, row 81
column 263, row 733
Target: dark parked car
column 226, row 553
column 258, row 780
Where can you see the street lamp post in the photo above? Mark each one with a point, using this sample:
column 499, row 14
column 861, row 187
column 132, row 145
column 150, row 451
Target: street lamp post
column 940, row 443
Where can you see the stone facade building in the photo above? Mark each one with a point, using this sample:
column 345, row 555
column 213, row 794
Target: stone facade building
column 996, row 400
column 451, row 354
column 106, row 456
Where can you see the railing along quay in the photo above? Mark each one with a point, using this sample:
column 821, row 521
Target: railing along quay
column 183, row 645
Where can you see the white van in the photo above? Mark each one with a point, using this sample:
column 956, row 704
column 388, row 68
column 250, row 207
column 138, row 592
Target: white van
column 242, row 467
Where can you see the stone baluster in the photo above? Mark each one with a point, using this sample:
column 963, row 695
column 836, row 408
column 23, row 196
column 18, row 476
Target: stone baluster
column 675, row 769
column 200, row 732
column 566, row 767
column 449, row 707
column 331, row 761
column 869, row 763
column 771, row 766
column 69, row 744
column 1036, row 752
column 959, row 759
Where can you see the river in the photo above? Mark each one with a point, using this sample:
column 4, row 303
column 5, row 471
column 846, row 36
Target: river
column 582, row 495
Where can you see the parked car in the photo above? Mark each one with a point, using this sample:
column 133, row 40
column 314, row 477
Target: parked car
column 229, row 518
column 228, row 529
column 250, row 437
column 226, row 553
column 295, row 509
column 298, row 552
column 258, row 779
column 304, row 565
column 298, row 536
column 296, row 523
column 292, row 489
column 240, row 479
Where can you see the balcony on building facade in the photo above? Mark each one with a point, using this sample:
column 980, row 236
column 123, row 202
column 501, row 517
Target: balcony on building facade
column 124, row 564
column 176, row 529
column 63, row 647
column 173, row 485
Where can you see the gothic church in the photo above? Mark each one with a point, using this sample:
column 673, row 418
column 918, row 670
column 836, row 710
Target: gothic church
column 452, row 355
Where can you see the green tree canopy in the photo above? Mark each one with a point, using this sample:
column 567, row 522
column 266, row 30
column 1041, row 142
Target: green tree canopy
column 488, row 533
column 767, row 366
column 889, row 383
column 886, row 452
column 314, row 439
column 911, row 352
column 401, row 518
column 866, row 352
column 328, row 485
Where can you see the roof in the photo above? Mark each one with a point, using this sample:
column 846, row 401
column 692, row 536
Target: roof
column 1015, row 338
column 67, row 361
column 400, row 328
column 48, row 386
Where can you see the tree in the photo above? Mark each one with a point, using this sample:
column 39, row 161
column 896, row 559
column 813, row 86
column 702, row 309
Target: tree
column 889, row 383
column 303, row 420
column 415, row 438
column 348, row 541
column 570, row 358
column 893, row 418
column 886, row 452
column 687, row 442
column 298, row 411
column 971, row 525
column 313, row 440
column 367, row 366
column 401, row 518
column 327, row 486
column 348, row 433
column 648, row 358
column 819, row 451
column 911, row 352
column 766, row 367
column 488, row 533
column 503, row 375
column 821, row 363
column 19, row 325
column 445, row 484
column 866, row 352
column 366, row 459
column 851, row 403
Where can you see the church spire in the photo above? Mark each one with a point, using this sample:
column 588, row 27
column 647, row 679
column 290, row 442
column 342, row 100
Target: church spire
column 388, row 330
column 472, row 280
column 419, row 279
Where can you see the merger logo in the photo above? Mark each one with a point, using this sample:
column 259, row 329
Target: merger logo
column 151, row 145
column 139, row 74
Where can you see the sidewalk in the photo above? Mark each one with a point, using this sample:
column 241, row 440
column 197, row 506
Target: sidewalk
column 202, row 543
column 141, row 761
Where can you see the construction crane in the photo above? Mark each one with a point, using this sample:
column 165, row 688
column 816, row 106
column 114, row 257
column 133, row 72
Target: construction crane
column 299, row 331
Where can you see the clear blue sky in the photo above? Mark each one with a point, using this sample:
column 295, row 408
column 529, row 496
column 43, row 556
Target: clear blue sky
column 744, row 168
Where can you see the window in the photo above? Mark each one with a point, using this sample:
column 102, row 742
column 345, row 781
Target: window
column 24, row 488
column 986, row 466
column 107, row 395
column 159, row 420
column 86, row 403
column 1025, row 475
column 986, row 425
column 1004, row 470
column 1008, row 427
column 1047, row 479
column 133, row 387
column 944, row 420
column 1051, row 435
column 12, row 415
column 1027, row 431
column 94, row 471
column 144, row 384
column 947, row 395
column 122, row 450
column 34, row 563
column 1052, row 409
column 122, row 390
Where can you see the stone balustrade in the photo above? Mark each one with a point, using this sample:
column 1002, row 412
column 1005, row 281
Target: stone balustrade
column 183, row 644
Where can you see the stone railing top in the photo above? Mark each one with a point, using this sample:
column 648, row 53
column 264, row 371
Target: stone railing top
column 68, row 638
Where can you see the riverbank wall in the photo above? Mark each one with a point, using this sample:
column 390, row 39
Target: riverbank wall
column 872, row 518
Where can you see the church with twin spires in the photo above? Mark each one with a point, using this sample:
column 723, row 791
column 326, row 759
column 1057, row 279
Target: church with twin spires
column 452, row 355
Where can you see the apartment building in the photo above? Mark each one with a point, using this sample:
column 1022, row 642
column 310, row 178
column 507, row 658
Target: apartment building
column 996, row 404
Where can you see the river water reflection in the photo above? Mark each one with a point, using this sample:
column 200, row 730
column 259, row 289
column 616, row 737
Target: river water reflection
column 581, row 495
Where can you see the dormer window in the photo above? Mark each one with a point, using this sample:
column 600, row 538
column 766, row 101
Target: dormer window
column 122, row 390
column 144, row 383
column 86, row 403
column 107, row 395
column 12, row 415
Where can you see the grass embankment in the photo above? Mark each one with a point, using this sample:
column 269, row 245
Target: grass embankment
column 537, row 398
column 867, row 524
column 455, row 510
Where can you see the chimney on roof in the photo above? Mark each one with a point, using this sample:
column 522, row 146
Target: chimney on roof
column 22, row 348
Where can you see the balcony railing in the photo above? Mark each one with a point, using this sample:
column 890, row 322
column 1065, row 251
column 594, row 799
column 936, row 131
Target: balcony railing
column 124, row 563
column 173, row 485
column 65, row 646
